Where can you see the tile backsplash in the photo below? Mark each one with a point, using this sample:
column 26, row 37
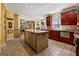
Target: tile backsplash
column 77, row 29
column 69, row 27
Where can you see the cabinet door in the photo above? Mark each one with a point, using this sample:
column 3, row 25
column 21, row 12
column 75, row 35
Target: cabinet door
column 77, row 51
column 56, row 35
column 72, row 17
column 69, row 18
column 48, row 20
column 65, row 40
column 77, row 48
column 78, row 19
column 30, row 39
column 64, row 36
column 62, row 39
column 50, row 34
column 64, row 20
column 68, row 40
column 71, row 38
column 25, row 37
column 34, row 38
column 42, row 41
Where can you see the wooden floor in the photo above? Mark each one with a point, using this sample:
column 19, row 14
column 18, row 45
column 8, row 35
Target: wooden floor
column 18, row 47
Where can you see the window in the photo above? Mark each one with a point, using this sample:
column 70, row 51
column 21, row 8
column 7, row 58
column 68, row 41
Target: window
column 56, row 19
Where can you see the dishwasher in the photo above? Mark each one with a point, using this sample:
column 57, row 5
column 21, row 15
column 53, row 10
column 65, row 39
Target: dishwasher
column 65, row 34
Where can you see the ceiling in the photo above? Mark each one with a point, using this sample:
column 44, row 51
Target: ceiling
column 38, row 10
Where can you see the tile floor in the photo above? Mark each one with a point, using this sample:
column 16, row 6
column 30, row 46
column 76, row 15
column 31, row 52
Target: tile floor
column 18, row 47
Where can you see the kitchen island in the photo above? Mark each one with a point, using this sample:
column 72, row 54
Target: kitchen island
column 36, row 39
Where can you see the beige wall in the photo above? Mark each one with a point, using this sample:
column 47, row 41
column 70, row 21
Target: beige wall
column 19, row 22
column 9, row 14
column 2, row 25
column 0, row 28
column 17, row 31
column 16, row 21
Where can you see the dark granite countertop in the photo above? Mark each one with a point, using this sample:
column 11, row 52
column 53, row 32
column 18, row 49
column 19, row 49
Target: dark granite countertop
column 61, row 30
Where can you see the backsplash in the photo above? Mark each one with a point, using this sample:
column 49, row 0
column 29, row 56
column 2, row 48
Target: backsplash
column 77, row 28
column 69, row 27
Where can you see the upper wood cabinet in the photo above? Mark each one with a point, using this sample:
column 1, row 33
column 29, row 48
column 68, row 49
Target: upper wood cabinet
column 64, row 20
column 77, row 15
column 69, row 18
column 72, row 17
column 77, row 19
column 48, row 20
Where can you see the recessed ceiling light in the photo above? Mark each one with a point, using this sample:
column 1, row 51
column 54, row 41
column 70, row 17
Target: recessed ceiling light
column 31, row 7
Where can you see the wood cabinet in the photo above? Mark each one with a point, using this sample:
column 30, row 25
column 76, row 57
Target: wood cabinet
column 54, row 35
column 78, row 18
column 42, row 41
column 69, row 18
column 69, row 39
column 64, row 20
column 77, row 48
column 78, row 14
column 48, row 20
column 77, row 51
column 72, row 17
column 37, row 40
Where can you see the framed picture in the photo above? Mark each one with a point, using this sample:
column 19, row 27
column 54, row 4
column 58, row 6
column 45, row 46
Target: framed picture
column 9, row 24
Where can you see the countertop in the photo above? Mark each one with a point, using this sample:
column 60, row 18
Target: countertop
column 37, row 31
column 61, row 30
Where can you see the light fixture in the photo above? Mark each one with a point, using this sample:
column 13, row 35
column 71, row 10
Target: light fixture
column 31, row 7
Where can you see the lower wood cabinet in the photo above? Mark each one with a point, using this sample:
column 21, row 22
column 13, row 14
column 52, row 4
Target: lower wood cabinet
column 56, row 35
column 77, row 51
column 77, row 48
column 68, row 40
